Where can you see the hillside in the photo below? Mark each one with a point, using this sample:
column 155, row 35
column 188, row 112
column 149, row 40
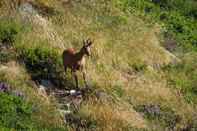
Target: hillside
column 142, row 73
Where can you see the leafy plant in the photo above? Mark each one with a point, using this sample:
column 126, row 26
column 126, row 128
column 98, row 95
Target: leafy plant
column 6, row 56
column 183, row 76
column 8, row 31
column 43, row 64
column 15, row 113
column 178, row 16
column 164, row 115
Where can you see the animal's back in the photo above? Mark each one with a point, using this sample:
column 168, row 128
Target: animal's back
column 68, row 56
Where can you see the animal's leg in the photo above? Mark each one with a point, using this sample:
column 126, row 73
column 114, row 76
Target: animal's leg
column 66, row 75
column 76, row 78
column 84, row 78
column 65, row 69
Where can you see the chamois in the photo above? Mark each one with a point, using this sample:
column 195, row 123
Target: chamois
column 76, row 60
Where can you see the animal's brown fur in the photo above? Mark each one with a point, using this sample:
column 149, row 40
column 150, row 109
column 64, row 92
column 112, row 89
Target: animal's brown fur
column 76, row 60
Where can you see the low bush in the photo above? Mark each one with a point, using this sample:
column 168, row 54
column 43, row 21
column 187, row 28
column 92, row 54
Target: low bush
column 6, row 56
column 39, row 61
column 178, row 16
column 183, row 76
column 44, row 64
column 139, row 67
column 15, row 113
column 8, row 31
column 163, row 115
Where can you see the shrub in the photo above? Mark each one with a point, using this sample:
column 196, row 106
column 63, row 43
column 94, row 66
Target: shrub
column 164, row 115
column 6, row 56
column 183, row 76
column 43, row 64
column 8, row 31
column 178, row 17
column 15, row 113
column 117, row 89
column 139, row 67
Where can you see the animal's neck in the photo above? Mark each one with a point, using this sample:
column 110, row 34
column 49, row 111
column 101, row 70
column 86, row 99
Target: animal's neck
column 80, row 55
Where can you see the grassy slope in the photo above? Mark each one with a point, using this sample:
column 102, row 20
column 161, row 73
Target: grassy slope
column 125, row 64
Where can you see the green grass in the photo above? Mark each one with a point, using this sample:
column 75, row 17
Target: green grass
column 39, row 109
column 15, row 113
column 183, row 76
column 178, row 17
column 8, row 31
column 18, row 114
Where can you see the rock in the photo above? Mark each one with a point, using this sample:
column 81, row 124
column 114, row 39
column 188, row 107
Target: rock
column 152, row 109
column 18, row 93
column 76, row 100
column 47, row 84
column 64, row 112
column 4, row 87
column 72, row 92
column 42, row 91
column 27, row 8
column 101, row 95
column 76, row 120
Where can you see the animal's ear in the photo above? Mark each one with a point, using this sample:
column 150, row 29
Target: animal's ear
column 89, row 42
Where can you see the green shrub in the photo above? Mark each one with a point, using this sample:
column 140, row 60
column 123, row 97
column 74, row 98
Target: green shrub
column 8, row 31
column 139, row 67
column 165, row 116
column 178, row 16
column 185, row 7
column 182, row 28
column 15, row 113
column 117, row 89
column 44, row 63
column 6, row 56
column 183, row 76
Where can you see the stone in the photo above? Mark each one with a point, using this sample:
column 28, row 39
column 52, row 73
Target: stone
column 64, row 112
column 101, row 95
column 72, row 92
column 27, row 8
column 4, row 87
column 18, row 93
column 47, row 84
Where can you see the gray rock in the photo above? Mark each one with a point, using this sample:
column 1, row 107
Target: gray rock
column 101, row 95
column 27, row 8
column 47, row 84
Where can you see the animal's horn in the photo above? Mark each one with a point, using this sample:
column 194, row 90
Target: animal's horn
column 84, row 42
column 88, row 40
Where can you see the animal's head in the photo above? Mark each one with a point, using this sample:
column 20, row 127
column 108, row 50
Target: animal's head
column 87, row 46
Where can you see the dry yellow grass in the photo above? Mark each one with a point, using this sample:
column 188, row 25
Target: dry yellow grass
column 112, row 116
